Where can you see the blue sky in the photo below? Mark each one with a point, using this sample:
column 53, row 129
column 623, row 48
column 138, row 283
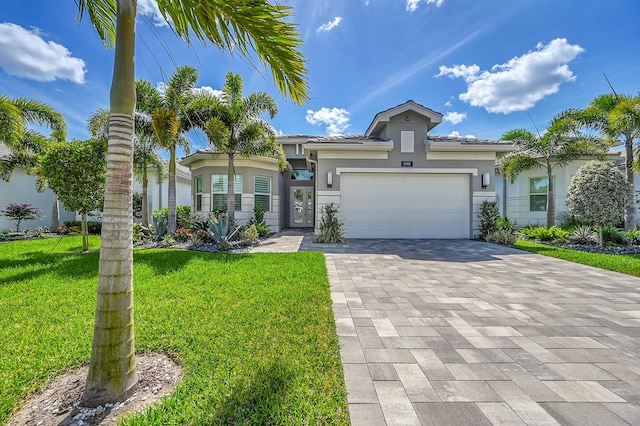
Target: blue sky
column 486, row 65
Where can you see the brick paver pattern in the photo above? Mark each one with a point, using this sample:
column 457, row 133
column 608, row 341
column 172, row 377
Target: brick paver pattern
column 470, row 333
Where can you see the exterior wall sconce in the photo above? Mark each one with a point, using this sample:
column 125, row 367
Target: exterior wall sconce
column 486, row 179
column 329, row 179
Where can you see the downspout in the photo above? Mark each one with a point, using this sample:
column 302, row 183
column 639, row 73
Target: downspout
column 315, row 187
column 504, row 196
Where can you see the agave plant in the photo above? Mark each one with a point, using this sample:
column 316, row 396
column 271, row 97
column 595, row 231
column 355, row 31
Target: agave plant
column 583, row 234
column 223, row 230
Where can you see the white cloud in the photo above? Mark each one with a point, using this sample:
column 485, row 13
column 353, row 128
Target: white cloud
column 413, row 4
column 150, row 8
column 330, row 25
column 448, row 104
column 456, row 134
column 23, row 53
column 208, row 90
column 454, row 117
column 520, row 83
column 335, row 119
column 161, row 86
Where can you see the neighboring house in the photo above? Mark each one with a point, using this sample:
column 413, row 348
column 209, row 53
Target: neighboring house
column 525, row 200
column 158, row 187
column 22, row 189
column 394, row 181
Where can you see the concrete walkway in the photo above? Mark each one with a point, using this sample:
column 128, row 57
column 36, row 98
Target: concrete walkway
column 469, row 333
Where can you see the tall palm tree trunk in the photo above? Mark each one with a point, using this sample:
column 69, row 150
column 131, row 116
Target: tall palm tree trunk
column 551, row 198
column 631, row 218
column 231, row 196
column 171, row 226
column 145, row 197
column 112, row 368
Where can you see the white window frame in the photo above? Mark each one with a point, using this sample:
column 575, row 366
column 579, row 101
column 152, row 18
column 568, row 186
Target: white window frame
column 538, row 194
column 237, row 184
column 197, row 189
column 262, row 194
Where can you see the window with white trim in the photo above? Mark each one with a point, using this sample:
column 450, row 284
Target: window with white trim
column 197, row 183
column 538, row 194
column 219, row 192
column 262, row 192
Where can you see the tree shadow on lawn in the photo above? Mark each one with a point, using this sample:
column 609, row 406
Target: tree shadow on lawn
column 259, row 399
column 168, row 261
column 75, row 265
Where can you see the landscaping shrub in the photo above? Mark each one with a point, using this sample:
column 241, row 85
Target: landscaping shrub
column 502, row 236
column 489, row 216
column 20, row 212
column 93, row 227
column 541, row 233
column 613, row 236
column 259, row 221
column 583, row 234
column 330, row 227
column 250, row 233
column 633, row 236
column 506, row 224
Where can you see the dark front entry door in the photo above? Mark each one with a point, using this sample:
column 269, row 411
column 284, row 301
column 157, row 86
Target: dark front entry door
column 301, row 210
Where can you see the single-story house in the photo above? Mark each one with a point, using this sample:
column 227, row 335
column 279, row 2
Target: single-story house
column 158, row 187
column 21, row 189
column 525, row 200
column 394, row 181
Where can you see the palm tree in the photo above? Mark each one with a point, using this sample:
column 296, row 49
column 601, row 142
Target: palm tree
column 235, row 128
column 170, row 120
column 145, row 146
column 237, row 25
column 617, row 118
column 26, row 144
column 560, row 144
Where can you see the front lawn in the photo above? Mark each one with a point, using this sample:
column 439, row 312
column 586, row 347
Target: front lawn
column 625, row 263
column 255, row 333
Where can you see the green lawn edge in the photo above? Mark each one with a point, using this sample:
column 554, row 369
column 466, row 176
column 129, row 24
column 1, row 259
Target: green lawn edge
column 624, row 263
column 254, row 333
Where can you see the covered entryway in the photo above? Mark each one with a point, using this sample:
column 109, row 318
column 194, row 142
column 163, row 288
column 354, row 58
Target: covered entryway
column 405, row 205
column 301, row 207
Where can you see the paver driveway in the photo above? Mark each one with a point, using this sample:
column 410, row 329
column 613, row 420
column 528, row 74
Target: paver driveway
column 470, row 333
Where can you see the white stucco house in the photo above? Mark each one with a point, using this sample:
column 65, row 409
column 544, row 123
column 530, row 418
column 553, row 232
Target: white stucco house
column 525, row 200
column 20, row 189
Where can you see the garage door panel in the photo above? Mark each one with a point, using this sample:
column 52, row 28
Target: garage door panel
column 405, row 206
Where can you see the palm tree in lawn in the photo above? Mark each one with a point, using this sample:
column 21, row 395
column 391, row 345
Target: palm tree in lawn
column 235, row 128
column 24, row 143
column 145, row 146
column 232, row 25
column 170, row 120
column 617, row 118
column 558, row 145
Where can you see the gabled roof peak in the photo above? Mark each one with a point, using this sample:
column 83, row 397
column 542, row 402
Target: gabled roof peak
column 384, row 117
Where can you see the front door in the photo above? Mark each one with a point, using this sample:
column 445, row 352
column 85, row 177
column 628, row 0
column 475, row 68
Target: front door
column 301, row 210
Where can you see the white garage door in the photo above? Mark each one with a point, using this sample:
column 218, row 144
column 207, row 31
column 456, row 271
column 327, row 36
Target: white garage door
column 405, row 205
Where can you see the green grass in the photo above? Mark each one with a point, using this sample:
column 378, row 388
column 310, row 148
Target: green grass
column 625, row 263
column 254, row 333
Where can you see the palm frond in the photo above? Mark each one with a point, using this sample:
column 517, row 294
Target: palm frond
column 244, row 27
column 39, row 113
column 13, row 125
column 514, row 163
column 102, row 14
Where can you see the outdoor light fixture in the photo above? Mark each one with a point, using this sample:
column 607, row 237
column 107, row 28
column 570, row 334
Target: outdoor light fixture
column 329, row 179
column 486, row 179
